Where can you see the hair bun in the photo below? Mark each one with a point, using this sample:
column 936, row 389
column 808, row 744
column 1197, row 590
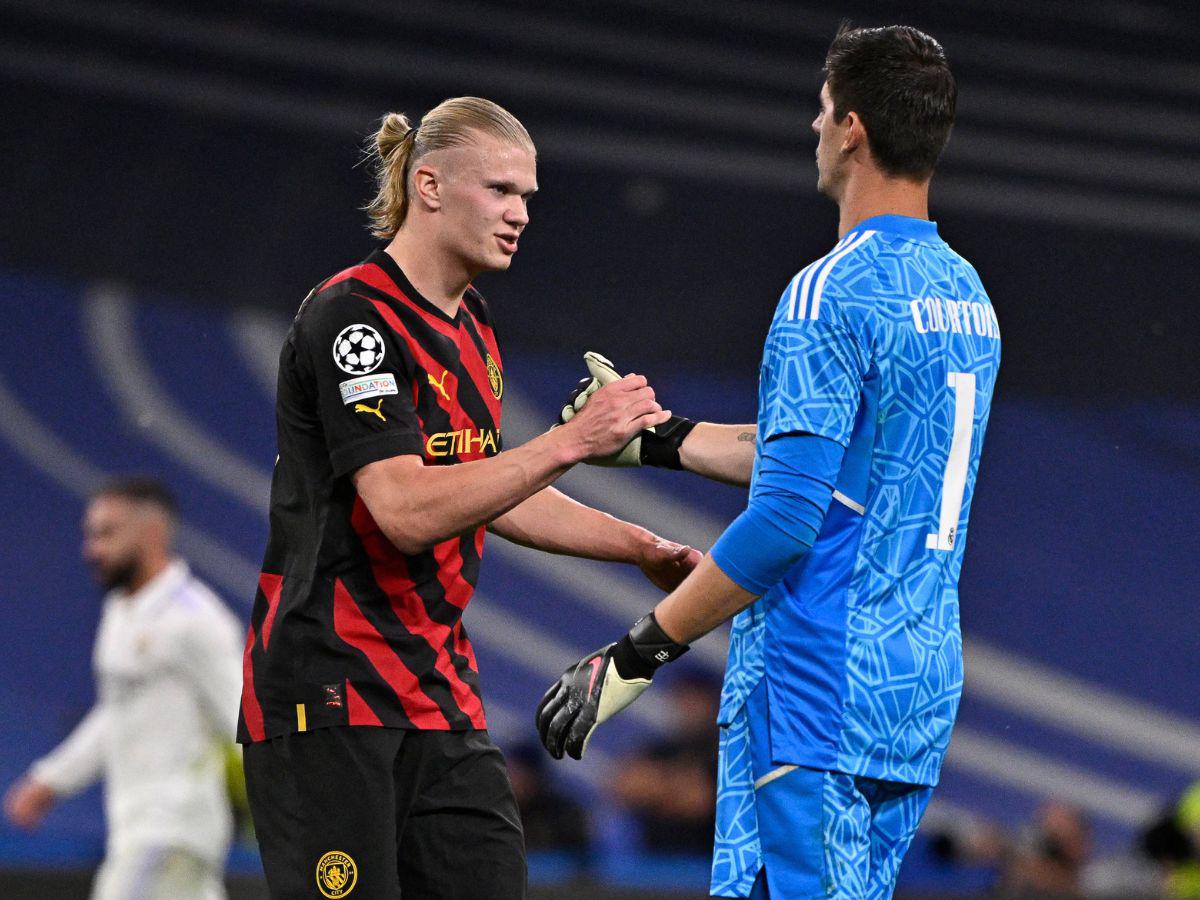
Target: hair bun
column 392, row 131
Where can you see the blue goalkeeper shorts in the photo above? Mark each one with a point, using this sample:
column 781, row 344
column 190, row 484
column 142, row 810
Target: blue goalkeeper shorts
column 827, row 834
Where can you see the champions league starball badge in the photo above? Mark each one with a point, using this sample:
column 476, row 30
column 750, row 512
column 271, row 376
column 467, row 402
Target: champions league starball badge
column 358, row 349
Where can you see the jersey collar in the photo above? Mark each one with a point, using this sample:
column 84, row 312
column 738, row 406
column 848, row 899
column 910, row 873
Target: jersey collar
column 163, row 585
column 381, row 258
column 904, row 226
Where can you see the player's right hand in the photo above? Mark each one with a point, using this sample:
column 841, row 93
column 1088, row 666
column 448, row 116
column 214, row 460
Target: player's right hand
column 27, row 803
column 654, row 446
column 614, row 413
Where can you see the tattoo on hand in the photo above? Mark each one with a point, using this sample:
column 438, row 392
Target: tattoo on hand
column 746, row 436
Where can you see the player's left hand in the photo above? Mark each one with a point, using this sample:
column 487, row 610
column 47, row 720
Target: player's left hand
column 665, row 563
column 589, row 693
column 600, row 685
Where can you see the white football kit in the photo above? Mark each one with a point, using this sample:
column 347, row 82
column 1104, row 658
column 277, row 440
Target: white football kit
column 168, row 670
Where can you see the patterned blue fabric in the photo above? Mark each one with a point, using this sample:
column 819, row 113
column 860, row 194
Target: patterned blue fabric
column 828, row 834
column 737, row 853
column 889, row 346
column 795, row 480
column 808, row 833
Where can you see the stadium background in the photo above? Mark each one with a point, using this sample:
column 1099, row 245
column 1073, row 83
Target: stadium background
column 176, row 176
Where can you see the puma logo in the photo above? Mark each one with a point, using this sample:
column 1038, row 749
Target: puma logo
column 373, row 410
column 439, row 384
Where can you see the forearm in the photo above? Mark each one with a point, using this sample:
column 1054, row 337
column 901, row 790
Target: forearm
column 552, row 521
column 778, row 527
column 418, row 506
column 720, row 452
column 78, row 761
column 706, row 598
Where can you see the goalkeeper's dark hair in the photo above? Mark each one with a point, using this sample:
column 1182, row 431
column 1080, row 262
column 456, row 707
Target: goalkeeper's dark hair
column 141, row 489
column 898, row 81
column 398, row 146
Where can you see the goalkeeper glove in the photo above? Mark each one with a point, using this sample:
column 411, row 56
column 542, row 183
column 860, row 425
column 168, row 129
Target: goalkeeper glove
column 601, row 685
column 658, row 446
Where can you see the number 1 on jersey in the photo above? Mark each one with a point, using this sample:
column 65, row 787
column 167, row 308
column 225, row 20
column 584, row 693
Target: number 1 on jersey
column 954, row 481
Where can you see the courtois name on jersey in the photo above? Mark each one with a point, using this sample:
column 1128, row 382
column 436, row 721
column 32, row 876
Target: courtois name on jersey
column 889, row 346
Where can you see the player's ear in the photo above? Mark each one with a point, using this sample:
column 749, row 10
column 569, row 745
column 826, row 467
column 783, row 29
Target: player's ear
column 856, row 133
column 427, row 187
column 153, row 528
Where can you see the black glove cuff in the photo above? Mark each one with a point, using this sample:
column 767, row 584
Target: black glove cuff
column 661, row 446
column 644, row 649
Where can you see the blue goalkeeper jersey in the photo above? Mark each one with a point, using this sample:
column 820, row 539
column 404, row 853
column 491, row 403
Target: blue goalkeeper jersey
column 889, row 346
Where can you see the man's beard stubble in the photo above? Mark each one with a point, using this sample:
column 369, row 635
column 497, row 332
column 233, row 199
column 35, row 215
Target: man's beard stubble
column 120, row 576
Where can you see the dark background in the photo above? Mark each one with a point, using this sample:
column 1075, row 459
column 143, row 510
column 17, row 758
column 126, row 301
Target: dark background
column 212, row 152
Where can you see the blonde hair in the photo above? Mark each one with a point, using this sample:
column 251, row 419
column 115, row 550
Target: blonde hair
column 397, row 146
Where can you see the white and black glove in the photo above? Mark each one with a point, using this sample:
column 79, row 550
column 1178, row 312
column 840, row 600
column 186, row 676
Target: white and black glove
column 658, row 446
column 601, row 685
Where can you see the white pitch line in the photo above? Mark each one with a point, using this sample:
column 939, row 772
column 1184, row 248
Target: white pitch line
column 112, row 337
column 1084, row 709
column 1079, row 708
column 606, row 588
column 539, row 653
column 1004, row 763
column 258, row 337
column 55, row 459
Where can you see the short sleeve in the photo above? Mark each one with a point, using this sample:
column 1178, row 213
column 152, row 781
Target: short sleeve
column 812, row 378
column 362, row 372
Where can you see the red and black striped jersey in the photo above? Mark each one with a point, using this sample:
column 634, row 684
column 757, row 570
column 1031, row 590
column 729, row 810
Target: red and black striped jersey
column 346, row 629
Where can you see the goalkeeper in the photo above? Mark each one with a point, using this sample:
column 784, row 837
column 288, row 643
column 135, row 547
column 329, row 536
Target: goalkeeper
column 845, row 662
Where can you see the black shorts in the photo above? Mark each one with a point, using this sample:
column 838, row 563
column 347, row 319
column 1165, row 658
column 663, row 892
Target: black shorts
column 374, row 813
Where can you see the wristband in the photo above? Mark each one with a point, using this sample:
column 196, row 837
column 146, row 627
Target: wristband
column 660, row 447
column 644, row 649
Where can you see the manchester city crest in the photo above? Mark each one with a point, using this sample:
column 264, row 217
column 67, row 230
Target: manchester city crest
column 336, row 874
column 495, row 379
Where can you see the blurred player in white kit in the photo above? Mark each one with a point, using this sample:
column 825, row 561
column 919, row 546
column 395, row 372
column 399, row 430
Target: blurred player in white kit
column 168, row 668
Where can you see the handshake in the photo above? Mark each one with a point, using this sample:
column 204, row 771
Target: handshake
column 635, row 431
column 657, row 435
